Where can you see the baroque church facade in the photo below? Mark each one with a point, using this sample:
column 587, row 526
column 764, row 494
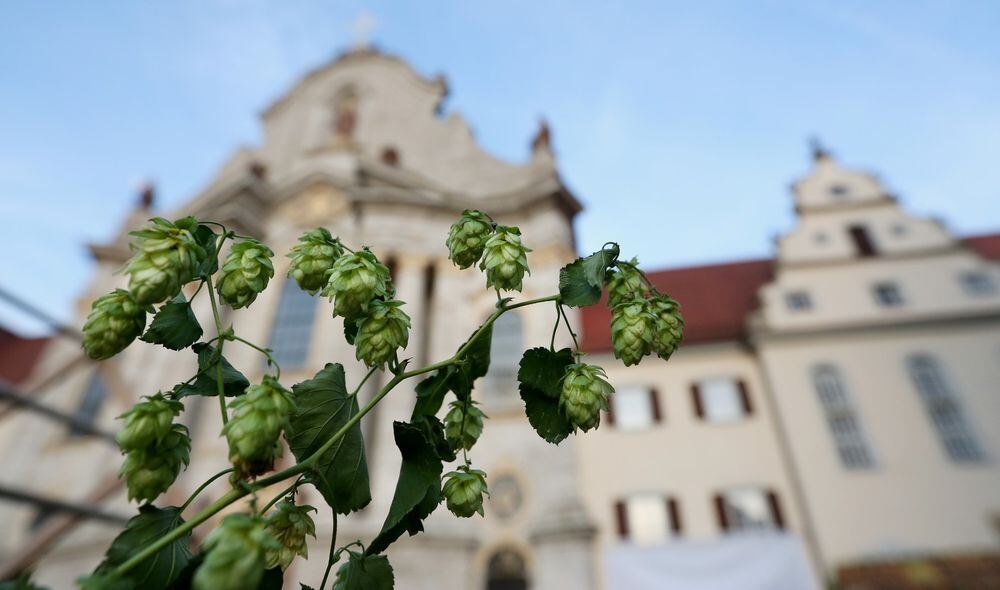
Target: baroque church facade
column 833, row 405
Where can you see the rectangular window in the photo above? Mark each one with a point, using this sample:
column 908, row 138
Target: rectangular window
column 292, row 326
column 944, row 409
column 635, row 408
column 887, row 294
column 842, row 419
column 90, row 403
column 862, row 240
column 648, row 518
column 748, row 509
column 721, row 399
column 978, row 284
column 798, row 300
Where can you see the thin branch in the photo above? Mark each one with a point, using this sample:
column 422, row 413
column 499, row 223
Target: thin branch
column 334, row 554
column 203, row 486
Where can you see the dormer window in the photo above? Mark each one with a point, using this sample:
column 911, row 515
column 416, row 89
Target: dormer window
column 978, row 284
column 798, row 300
column 839, row 190
column 887, row 294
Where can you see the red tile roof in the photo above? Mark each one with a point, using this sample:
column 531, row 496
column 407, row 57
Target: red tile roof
column 716, row 299
column 18, row 356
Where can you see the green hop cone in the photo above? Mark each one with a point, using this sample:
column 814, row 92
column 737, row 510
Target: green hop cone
column 235, row 554
column 148, row 422
column 149, row 471
column 312, row 258
column 505, row 259
column 669, row 325
column 384, row 330
column 633, row 327
column 462, row 428
column 625, row 284
column 289, row 525
column 464, row 490
column 354, row 281
column 584, row 394
column 467, row 237
column 166, row 256
column 245, row 273
column 115, row 320
column 258, row 418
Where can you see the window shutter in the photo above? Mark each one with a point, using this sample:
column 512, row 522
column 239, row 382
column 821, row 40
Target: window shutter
column 621, row 519
column 654, row 405
column 720, row 512
column 745, row 396
column 611, row 411
column 772, row 500
column 673, row 515
column 699, row 410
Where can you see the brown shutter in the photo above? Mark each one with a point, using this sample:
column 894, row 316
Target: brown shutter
column 673, row 515
column 772, row 499
column 720, row 512
column 621, row 518
column 611, row 411
column 699, row 410
column 654, row 405
column 745, row 397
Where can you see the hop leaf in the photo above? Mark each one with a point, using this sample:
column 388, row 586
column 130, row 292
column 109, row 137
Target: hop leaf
column 467, row 237
column 148, row 422
column 626, row 283
column 235, row 557
column 462, row 428
column 633, row 327
column 115, row 320
column 380, row 333
column 584, row 394
column 312, row 258
column 289, row 525
column 149, row 471
column 464, row 490
column 167, row 255
column 259, row 417
column 669, row 325
column 245, row 273
column 354, row 281
column 505, row 259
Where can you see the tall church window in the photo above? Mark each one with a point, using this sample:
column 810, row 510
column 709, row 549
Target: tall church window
column 505, row 355
column 863, row 244
column 506, row 570
column 91, row 401
column 842, row 419
column 292, row 326
column 944, row 409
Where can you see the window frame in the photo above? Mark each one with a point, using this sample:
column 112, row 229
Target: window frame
column 944, row 409
column 726, row 515
column 976, row 283
column 881, row 289
column 653, row 412
column 672, row 521
column 287, row 322
column 798, row 300
column 742, row 398
column 851, row 442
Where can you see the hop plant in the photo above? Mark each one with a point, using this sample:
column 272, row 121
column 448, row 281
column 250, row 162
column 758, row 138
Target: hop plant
column 626, row 283
column 289, row 525
column 235, row 554
column 259, row 417
column 505, row 259
column 245, row 273
column 354, row 281
column 584, row 394
column 148, row 422
column 467, row 237
column 669, row 325
column 166, row 256
column 463, row 426
column 149, row 471
column 381, row 332
column 115, row 320
column 464, row 490
column 312, row 258
column 633, row 327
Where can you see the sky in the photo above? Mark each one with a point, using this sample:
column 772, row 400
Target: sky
column 679, row 125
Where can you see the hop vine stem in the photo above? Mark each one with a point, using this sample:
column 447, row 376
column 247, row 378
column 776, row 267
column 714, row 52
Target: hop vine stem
column 243, row 489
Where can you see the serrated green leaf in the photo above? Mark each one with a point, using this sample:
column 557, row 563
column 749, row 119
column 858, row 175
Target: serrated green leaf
column 174, row 326
column 476, row 363
column 323, row 408
column 160, row 570
column 596, row 265
column 207, row 239
column 234, row 383
column 581, row 281
column 364, row 572
column 431, row 392
column 539, row 376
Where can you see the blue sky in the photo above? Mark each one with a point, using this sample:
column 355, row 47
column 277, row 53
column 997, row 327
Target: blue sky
column 679, row 124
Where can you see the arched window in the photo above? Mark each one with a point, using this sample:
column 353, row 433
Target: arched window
column 944, row 408
column 505, row 355
column 90, row 402
column 841, row 417
column 506, row 571
column 292, row 326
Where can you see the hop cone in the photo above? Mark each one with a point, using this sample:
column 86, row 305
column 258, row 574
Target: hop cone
column 148, row 422
column 115, row 320
column 235, row 558
column 289, row 524
column 259, row 416
column 633, row 327
column 380, row 333
column 166, row 256
column 312, row 258
column 457, row 435
column 584, row 394
column 467, row 237
column 245, row 273
column 505, row 259
column 354, row 281
column 669, row 325
column 626, row 283
column 149, row 471
column 464, row 491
